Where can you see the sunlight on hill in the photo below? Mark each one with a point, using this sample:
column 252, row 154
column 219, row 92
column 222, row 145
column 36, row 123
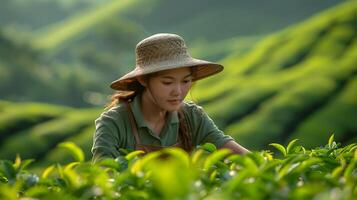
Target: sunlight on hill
column 299, row 82
column 54, row 35
column 287, row 78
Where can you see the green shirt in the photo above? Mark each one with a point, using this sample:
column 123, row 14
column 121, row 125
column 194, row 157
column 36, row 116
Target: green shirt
column 113, row 129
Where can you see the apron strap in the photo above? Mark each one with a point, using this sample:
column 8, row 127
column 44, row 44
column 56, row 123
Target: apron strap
column 133, row 124
column 138, row 145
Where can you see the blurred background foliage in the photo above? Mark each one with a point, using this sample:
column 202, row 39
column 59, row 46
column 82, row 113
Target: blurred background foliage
column 290, row 67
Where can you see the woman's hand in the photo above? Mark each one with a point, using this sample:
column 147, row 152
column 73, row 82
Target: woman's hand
column 235, row 147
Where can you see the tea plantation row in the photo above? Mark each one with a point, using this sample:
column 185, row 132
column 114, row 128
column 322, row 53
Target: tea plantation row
column 328, row 172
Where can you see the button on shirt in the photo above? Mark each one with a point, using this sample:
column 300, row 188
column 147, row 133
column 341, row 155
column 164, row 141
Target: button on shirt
column 114, row 131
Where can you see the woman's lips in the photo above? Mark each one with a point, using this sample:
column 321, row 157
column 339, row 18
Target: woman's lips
column 174, row 102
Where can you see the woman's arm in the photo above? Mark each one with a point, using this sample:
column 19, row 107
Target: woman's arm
column 106, row 139
column 105, row 144
column 235, row 147
column 206, row 131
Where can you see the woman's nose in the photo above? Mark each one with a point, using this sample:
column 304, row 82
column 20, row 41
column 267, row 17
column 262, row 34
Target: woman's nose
column 177, row 90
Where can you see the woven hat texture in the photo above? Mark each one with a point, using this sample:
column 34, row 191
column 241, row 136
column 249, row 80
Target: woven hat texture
column 161, row 52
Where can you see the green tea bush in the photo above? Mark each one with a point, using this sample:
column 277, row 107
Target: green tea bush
column 84, row 140
column 19, row 116
column 277, row 114
column 327, row 172
column 287, row 82
column 247, row 100
column 44, row 136
column 317, row 125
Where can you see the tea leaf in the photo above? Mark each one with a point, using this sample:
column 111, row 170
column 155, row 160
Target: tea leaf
column 110, row 163
column 48, row 171
column 279, row 147
column 139, row 165
column 337, row 172
column 213, row 175
column 290, row 145
column 7, row 169
column 331, row 140
column 209, row 147
column 250, row 165
column 26, row 163
column 349, row 170
column 17, row 162
column 71, row 178
column 353, row 148
column 71, row 165
column 215, row 157
column 196, row 156
column 179, row 155
column 307, row 164
column 74, row 150
column 133, row 154
column 3, row 179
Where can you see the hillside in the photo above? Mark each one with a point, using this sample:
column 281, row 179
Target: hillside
column 297, row 83
column 231, row 17
column 213, row 20
column 27, row 76
column 33, row 130
column 85, row 44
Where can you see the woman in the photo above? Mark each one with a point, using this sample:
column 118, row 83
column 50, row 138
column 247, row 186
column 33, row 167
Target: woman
column 148, row 112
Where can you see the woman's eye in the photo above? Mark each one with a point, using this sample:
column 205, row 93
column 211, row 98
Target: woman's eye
column 186, row 81
column 166, row 83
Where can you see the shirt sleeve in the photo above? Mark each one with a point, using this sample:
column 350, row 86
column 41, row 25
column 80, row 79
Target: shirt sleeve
column 105, row 140
column 205, row 129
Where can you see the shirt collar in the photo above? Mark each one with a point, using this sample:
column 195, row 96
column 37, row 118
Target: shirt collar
column 139, row 118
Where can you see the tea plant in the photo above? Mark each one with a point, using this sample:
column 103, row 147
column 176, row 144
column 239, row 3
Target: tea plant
column 327, row 172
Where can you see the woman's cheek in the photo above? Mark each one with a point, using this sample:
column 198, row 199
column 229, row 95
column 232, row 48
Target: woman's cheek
column 165, row 90
column 187, row 88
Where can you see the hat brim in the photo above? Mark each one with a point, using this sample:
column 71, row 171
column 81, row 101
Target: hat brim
column 202, row 70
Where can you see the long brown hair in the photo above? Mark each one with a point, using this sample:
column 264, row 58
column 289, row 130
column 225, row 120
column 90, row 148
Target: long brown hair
column 185, row 138
column 125, row 96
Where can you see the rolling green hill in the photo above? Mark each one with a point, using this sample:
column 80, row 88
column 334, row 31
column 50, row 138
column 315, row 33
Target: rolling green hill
column 85, row 44
column 33, row 130
column 216, row 20
column 26, row 76
column 193, row 19
column 298, row 83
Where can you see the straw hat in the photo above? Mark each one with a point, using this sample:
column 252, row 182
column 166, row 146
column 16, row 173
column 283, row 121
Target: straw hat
column 162, row 52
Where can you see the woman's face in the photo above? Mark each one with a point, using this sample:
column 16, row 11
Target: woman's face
column 169, row 88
